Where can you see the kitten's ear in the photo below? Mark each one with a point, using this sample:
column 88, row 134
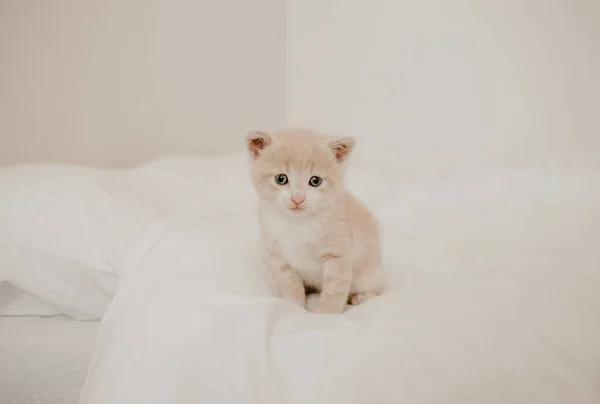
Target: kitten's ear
column 341, row 147
column 256, row 142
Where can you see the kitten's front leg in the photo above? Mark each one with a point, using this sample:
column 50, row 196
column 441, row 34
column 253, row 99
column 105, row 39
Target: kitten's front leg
column 337, row 278
column 289, row 283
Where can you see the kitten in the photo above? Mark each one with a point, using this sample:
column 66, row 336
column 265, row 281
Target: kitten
column 315, row 233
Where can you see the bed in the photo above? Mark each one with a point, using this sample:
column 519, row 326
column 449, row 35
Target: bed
column 44, row 359
column 493, row 290
column 44, row 355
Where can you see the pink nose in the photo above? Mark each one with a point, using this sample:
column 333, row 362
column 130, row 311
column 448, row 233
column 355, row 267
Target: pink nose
column 298, row 198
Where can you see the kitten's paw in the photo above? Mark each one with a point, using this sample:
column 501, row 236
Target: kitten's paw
column 326, row 309
column 314, row 309
column 299, row 300
column 312, row 301
column 359, row 297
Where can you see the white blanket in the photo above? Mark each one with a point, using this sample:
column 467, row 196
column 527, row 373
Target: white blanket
column 493, row 297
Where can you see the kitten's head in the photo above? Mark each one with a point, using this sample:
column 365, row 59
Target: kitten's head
column 298, row 171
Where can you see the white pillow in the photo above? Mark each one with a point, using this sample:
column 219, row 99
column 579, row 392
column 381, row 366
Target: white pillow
column 167, row 192
column 57, row 223
column 67, row 232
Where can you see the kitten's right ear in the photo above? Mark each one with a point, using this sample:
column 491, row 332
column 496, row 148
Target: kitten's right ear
column 256, row 142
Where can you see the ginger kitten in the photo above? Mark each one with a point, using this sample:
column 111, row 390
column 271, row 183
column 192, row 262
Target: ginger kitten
column 314, row 232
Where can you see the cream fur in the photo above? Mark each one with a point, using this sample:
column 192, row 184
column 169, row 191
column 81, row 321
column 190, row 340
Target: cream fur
column 331, row 242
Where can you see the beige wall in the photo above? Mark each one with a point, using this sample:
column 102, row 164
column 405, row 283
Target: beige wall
column 462, row 83
column 115, row 82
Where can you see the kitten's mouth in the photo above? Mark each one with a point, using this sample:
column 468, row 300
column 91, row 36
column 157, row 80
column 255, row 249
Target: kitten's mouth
column 296, row 209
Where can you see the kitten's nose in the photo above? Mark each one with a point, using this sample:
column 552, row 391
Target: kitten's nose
column 298, row 198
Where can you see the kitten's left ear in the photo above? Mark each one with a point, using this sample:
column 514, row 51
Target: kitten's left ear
column 341, row 147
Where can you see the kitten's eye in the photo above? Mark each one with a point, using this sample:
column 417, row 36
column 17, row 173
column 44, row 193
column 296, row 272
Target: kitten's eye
column 315, row 181
column 281, row 179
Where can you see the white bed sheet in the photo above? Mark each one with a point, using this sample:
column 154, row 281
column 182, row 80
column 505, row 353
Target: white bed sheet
column 44, row 360
column 493, row 298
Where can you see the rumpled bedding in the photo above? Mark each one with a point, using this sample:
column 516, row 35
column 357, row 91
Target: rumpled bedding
column 493, row 293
